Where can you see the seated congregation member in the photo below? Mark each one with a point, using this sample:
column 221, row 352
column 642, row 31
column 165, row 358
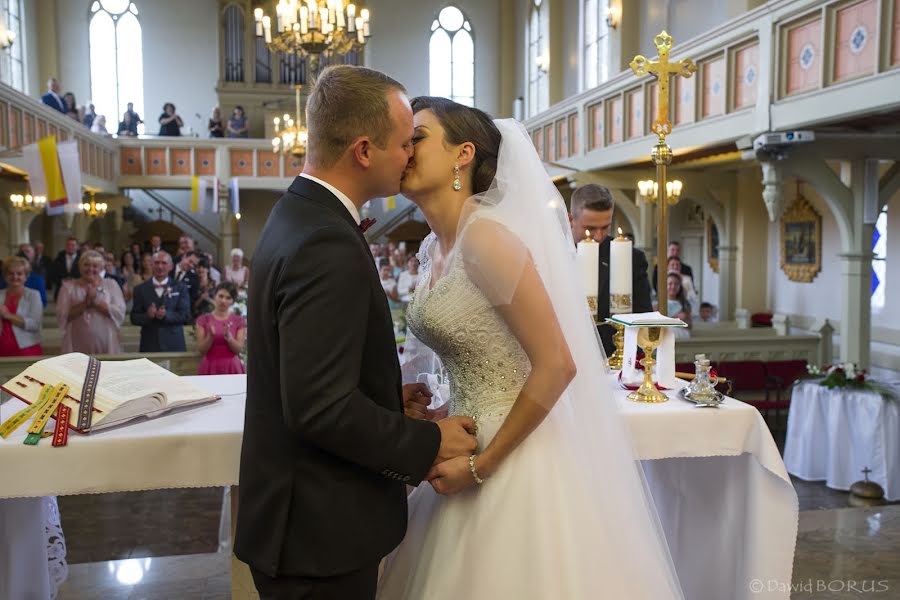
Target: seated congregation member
column 21, row 311
column 679, row 307
column 221, row 335
column 707, row 313
column 161, row 308
column 90, row 309
column 408, row 280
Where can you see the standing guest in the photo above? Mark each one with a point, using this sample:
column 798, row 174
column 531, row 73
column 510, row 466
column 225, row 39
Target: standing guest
column 161, row 309
column 42, row 264
column 90, row 309
column 136, row 252
column 592, row 211
column 71, row 106
column 237, row 125
column 185, row 273
column 170, row 123
column 89, row 116
column 237, row 273
column 65, row 266
column 205, row 286
column 214, row 273
column 408, row 280
column 127, row 127
column 133, row 118
column 53, row 97
column 130, row 278
column 34, row 281
column 155, row 244
column 146, row 266
column 185, row 243
column 99, row 126
column 216, row 127
column 21, row 311
column 221, row 335
column 687, row 282
column 388, row 283
column 674, row 251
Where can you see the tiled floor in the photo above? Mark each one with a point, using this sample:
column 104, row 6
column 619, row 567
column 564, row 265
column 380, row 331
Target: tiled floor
column 170, row 550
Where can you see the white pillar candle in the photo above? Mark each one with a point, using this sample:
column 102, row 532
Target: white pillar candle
column 620, row 277
column 589, row 264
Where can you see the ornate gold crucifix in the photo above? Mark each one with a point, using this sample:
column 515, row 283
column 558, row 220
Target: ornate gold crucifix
column 662, row 69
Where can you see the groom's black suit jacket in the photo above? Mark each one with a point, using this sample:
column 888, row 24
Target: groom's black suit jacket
column 327, row 450
column 640, row 291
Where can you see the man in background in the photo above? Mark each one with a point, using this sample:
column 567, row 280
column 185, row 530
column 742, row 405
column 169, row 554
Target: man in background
column 591, row 210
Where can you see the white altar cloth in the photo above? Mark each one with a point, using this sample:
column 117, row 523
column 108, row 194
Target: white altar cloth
column 832, row 435
column 723, row 495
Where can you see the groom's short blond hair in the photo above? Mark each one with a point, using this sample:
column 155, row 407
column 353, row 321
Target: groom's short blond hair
column 347, row 102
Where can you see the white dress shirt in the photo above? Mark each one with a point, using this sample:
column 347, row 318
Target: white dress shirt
column 354, row 212
column 159, row 291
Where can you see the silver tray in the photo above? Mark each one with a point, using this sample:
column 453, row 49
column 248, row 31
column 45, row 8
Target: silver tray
column 713, row 402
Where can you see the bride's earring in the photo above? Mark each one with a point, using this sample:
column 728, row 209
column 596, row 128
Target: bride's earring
column 457, row 184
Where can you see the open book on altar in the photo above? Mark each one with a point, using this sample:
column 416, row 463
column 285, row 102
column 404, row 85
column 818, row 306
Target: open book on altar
column 125, row 389
column 647, row 319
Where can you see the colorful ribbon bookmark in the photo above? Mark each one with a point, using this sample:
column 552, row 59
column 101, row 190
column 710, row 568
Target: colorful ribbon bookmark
column 36, row 430
column 23, row 415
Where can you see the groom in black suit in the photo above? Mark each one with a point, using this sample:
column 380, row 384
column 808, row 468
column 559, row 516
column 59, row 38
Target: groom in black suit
column 592, row 210
column 161, row 308
column 327, row 451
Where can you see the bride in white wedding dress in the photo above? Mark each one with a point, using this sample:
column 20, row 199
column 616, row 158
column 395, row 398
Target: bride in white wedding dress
column 553, row 505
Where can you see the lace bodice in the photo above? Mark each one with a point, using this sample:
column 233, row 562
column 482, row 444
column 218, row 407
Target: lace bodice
column 486, row 365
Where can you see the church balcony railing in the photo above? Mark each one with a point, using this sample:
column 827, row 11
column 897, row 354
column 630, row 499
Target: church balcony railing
column 787, row 64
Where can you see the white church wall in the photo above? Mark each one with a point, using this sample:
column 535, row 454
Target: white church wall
column 401, row 31
column 180, row 57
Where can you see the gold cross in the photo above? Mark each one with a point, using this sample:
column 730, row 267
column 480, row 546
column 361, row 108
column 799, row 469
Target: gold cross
column 662, row 70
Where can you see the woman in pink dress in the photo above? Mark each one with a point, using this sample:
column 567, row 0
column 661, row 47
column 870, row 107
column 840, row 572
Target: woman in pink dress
column 90, row 309
column 221, row 335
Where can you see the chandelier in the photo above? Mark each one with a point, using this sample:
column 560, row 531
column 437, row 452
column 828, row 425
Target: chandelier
column 649, row 189
column 290, row 134
column 313, row 28
column 93, row 208
column 27, row 202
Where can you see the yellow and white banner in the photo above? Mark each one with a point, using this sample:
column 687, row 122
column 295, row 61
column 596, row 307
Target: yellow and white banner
column 54, row 171
column 199, row 201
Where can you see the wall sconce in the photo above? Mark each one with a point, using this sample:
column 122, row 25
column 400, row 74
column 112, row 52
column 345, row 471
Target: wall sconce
column 613, row 15
column 543, row 62
column 7, row 37
column 93, row 208
column 27, row 202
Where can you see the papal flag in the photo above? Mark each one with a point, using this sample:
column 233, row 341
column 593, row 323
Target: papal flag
column 54, row 171
column 235, row 190
column 390, row 203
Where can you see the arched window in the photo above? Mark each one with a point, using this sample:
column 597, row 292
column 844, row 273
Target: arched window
column 12, row 67
column 234, row 43
column 596, row 43
column 451, row 57
column 538, row 56
column 117, row 63
column 879, row 260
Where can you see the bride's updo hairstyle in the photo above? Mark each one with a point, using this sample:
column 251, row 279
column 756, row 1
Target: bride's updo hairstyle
column 465, row 124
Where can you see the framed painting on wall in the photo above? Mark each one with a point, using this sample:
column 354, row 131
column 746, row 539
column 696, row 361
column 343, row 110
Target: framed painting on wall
column 801, row 241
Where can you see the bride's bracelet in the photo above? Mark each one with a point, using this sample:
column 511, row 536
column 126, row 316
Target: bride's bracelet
column 478, row 479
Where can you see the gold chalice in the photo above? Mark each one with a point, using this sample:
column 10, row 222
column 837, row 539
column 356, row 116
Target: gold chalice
column 648, row 339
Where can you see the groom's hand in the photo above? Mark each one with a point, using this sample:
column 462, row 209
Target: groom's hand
column 416, row 398
column 457, row 438
column 451, row 476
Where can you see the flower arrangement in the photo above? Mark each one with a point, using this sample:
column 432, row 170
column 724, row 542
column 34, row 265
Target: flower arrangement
column 848, row 375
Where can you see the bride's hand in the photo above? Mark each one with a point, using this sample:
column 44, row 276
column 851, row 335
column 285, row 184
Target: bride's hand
column 451, row 476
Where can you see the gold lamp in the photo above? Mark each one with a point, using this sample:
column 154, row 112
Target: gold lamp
column 649, row 190
column 290, row 134
column 27, row 202
column 313, row 28
column 93, row 208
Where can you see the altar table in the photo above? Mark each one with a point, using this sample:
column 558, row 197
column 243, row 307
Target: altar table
column 833, row 434
column 723, row 496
